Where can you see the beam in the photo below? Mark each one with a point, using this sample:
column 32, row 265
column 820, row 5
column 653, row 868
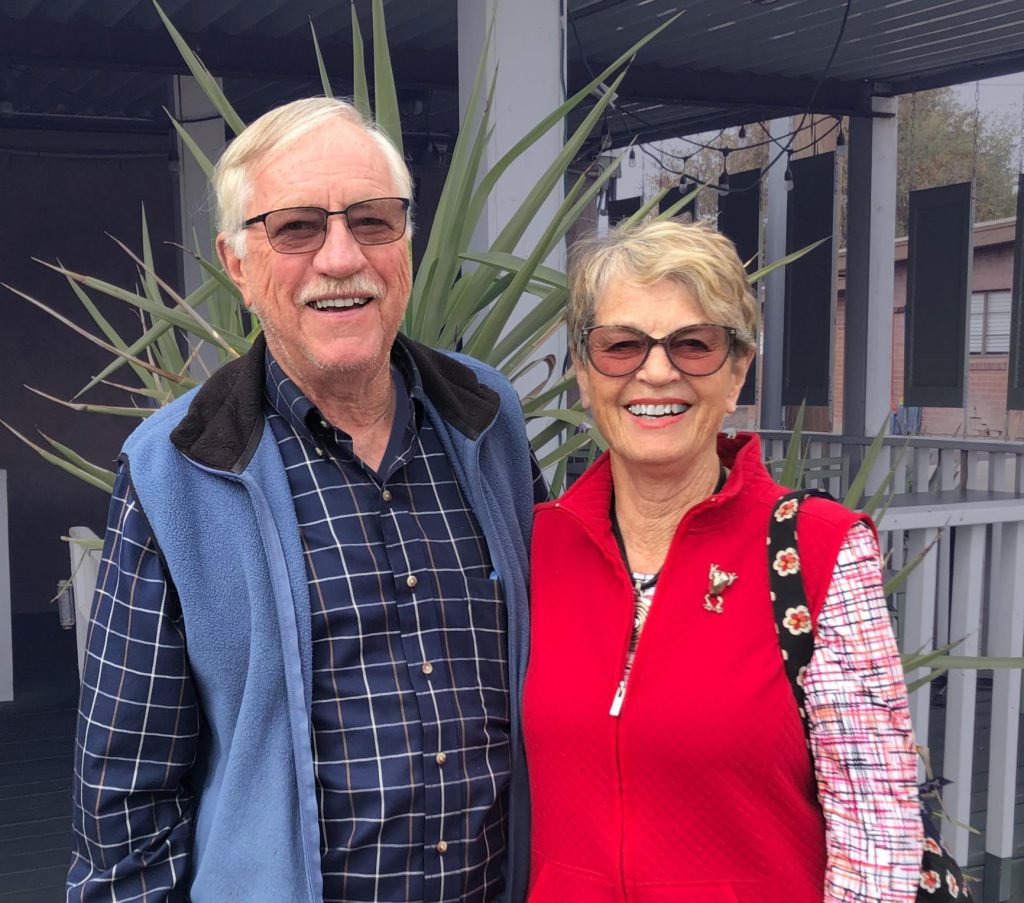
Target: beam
column 140, row 50
column 679, row 84
column 1004, row 64
column 870, row 260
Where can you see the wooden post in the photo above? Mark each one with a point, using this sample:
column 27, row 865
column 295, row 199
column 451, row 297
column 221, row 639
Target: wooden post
column 6, row 647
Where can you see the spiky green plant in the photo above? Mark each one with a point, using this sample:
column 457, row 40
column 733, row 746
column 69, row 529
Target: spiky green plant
column 473, row 311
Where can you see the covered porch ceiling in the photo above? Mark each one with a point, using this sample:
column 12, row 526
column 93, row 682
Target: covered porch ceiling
column 103, row 64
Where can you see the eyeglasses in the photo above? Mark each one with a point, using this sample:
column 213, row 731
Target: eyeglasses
column 299, row 230
column 698, row 350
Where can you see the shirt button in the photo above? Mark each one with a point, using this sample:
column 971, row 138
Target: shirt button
column 411, row 581
column 320, row 452
column 323, row 424
column 427, row 668
column 440, row 758
column 441, row 847
column 386, row 495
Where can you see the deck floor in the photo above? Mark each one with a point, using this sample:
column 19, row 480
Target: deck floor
column 36, row 762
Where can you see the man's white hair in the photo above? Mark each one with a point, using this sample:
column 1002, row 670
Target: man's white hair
column 274, row 129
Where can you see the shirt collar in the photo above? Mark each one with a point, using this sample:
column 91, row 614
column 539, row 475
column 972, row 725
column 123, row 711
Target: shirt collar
column 285, row 397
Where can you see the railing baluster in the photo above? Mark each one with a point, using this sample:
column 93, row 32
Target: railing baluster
column 921, row 472
column 1006, row 637
column 919, row 623
column 965, row 625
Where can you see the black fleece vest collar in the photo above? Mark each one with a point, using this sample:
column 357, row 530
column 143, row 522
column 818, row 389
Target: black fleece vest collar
column 224, row 422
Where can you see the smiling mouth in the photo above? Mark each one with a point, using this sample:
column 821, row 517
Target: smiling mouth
column 339, row 303
column 653, row 411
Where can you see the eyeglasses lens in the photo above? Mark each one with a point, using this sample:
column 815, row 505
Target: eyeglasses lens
column 297, row 230
column 694, row 350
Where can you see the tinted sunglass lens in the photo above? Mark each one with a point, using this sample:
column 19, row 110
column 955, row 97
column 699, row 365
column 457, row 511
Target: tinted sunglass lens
column 615, row 351
column 699, row 350
column 377, row 222
column 296, row 230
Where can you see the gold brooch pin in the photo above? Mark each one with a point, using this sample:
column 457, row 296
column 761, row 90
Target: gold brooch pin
column 718, row 582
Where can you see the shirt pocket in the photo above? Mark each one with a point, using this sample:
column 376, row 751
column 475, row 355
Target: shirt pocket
column 475, row 634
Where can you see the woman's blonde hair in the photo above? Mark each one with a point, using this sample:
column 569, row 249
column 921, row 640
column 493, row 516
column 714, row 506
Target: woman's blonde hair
column 691, row 254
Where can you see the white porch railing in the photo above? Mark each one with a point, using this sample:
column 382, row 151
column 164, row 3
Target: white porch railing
column 85, row 568
column 925, row 462
column 982, row 573
column 961, row 505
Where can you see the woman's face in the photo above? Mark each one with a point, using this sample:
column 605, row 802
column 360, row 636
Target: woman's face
column 684, row 435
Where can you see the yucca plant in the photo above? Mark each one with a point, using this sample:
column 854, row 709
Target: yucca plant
column 448, row 307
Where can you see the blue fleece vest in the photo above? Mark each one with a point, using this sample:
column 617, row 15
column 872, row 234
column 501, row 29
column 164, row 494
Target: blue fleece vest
column 232, row 547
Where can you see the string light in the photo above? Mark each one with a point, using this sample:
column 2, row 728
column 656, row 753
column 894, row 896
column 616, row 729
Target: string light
column 723, row 179
column 788, row 176
column 632, row 157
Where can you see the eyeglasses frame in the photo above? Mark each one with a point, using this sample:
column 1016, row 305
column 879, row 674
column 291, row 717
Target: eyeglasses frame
column 651, row 342
column 262, row 218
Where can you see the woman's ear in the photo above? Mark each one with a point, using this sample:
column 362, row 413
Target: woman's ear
column 582, row 379
column 740, row 366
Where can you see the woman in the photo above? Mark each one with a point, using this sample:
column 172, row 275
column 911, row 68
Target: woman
column 667, row 757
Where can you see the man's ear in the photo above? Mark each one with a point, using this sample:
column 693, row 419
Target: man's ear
column 582, row 380
column 232, row 264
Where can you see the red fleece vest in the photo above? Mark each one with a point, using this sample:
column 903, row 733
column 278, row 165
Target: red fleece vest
column 702, row 789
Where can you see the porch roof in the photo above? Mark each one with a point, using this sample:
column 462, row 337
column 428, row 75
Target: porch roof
column 103, row 63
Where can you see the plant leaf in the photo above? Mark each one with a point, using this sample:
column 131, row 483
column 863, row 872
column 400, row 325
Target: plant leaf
column 117, row 411
column 360, row 89
column 858, row 483
column 325, row 80
column 202, row 75
column 385, row 96
column 84, row 475
column 205, row 164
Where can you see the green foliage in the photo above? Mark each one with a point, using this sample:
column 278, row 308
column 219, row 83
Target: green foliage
column 448, row 307
column 942, row 141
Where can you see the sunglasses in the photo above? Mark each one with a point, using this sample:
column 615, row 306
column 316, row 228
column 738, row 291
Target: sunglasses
column 698, row 350
column 299, row 230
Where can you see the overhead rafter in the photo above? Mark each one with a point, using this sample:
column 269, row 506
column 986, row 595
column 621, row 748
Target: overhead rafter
column 716, row 88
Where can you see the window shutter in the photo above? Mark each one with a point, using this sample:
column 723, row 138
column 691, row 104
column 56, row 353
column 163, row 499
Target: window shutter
column 997, row 331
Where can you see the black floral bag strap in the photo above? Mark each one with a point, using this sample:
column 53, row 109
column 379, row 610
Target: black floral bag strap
column 792, row 616
column 941, row 878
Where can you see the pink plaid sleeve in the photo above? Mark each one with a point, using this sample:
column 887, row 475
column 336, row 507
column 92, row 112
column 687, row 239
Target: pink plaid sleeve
column 862, row 738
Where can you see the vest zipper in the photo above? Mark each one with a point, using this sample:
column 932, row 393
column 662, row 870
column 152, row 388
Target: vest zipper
column 616, row 708
column 620, row 692
column 622, row 812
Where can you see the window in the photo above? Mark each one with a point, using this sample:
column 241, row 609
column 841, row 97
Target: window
column 990, row 322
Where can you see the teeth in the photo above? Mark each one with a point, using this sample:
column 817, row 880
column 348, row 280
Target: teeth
column 657, row 410
column 327, row 303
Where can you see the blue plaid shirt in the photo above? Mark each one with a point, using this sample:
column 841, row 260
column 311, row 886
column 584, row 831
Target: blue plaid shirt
column 410, row 690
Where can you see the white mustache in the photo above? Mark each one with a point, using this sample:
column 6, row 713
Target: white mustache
column 357, row 286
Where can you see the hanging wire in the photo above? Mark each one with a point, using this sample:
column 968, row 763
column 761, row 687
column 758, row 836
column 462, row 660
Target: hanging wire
column 784, row 149
column 910, row 142
column 680, row 174
column 977, row 129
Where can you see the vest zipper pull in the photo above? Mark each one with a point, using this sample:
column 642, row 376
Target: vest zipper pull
column 620, row 695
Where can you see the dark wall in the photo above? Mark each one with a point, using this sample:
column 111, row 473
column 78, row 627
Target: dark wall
column 60, row 193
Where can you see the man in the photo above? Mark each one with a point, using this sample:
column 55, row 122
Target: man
column 309, row 635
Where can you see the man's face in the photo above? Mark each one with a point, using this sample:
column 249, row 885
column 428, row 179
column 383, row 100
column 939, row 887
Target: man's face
column 333, row 166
